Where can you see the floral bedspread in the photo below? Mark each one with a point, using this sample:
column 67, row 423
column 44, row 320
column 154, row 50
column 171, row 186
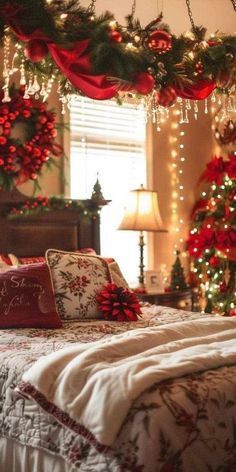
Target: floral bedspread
column 179, row 425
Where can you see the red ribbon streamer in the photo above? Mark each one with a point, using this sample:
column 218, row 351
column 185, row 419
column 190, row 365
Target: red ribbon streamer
column 74, row 64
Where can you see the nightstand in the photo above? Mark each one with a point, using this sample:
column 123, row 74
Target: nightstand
column 182, row 299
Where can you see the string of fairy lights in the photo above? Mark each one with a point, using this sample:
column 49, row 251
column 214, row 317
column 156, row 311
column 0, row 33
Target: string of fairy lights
column 176, row 167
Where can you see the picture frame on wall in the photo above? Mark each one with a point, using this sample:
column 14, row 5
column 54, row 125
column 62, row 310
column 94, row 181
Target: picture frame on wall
column 154, row 281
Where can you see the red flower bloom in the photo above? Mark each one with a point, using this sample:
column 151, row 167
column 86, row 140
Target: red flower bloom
column 215, row 171
column 230, row 166
column 225, row 239
column 118, row 303
column 197, row 243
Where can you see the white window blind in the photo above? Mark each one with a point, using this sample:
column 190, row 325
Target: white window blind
column 108, row 141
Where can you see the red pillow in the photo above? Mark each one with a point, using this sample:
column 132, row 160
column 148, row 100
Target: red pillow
column 26, row 298
column 34, row 259
column 31, row 260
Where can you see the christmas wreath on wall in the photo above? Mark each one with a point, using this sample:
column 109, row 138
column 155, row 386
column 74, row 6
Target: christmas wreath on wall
column 22, row 159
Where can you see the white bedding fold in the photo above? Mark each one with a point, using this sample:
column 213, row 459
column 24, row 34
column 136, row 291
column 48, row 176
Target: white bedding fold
column 96, row 383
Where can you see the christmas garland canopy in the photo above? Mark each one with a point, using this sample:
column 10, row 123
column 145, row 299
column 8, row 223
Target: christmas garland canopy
column 97, row 57
column 23, row 159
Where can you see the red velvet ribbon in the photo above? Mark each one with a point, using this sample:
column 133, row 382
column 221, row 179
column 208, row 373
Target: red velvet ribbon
column 198, row 91
column 74, row 64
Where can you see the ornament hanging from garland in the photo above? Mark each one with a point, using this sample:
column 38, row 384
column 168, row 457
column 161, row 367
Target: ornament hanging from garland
column 36, row 50
column 22, row 159
column 159, row 42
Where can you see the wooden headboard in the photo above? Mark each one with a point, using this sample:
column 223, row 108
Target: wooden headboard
column 65, row 229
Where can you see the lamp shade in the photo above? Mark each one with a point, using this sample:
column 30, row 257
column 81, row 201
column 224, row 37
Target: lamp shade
column 142, row 212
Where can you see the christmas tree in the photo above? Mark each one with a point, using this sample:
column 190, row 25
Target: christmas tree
column 97, row 191
column 212, row 238
column 177, row 275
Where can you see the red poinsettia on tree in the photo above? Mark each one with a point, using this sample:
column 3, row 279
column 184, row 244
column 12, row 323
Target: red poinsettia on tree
column 212, row 238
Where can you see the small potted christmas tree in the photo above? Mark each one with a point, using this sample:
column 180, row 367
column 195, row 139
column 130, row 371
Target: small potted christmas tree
column 177, row 281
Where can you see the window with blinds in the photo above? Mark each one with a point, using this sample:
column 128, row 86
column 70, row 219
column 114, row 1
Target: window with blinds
column 108, row 141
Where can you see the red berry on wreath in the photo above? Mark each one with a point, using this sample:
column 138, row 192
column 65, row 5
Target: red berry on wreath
column 6, row 131
column 3, row 140
column 116, row 36
column 42, row 119
column 37, row 152
column 12, row 149
column 53, row 133
column 26, row 113
column 36, row 50
column 7, row 124
column 159, row 41
column 50, row 125
column 1, row 162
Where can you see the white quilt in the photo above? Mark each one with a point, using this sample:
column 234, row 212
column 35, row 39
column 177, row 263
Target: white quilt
column 96, row 383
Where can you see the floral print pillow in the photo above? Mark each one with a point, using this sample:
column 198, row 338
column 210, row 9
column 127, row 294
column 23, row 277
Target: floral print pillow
column 77, row 278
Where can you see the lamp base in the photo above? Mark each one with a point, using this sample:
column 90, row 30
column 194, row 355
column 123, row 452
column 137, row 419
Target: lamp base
column 141, row 263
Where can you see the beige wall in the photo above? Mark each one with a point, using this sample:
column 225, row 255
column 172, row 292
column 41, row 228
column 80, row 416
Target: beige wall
column 198, row 140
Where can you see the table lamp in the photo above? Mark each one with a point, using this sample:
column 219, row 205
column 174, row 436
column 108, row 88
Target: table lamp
column 142, row 214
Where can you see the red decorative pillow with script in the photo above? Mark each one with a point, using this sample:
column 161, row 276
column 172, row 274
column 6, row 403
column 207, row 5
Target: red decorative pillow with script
column 27, row 299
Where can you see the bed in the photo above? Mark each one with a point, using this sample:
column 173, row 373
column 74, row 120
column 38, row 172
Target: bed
column 183, row 422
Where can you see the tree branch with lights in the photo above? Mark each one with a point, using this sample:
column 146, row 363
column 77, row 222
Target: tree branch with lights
column 212, row 239
column 97, row 57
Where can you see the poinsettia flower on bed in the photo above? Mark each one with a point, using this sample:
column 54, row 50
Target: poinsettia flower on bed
column 118, row 303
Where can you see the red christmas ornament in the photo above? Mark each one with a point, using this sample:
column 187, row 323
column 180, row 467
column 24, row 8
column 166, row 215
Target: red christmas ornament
column 143, row 83
column 116, row 36
column 223, row 287
column 36, row 50
column 166, row 96
column 214, row 261
column 118, row 303
column 232, row 312
column 159, row 41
